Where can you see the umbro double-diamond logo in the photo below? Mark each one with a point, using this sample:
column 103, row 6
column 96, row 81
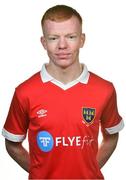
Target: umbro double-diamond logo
column 42, row 113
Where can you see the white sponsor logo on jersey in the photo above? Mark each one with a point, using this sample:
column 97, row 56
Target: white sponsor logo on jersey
column 46, row 141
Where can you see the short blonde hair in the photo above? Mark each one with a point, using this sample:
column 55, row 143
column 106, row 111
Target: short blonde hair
column 60, row 13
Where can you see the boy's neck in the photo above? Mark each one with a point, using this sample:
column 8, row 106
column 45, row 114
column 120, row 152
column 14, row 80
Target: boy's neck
column 65, row 75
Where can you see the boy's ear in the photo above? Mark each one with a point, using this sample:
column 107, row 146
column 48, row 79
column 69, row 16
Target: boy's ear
column 43, row 42
column 82, row 40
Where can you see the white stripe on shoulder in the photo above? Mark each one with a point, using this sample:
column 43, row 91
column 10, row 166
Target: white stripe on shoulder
column 115, row 129
column 12, row 137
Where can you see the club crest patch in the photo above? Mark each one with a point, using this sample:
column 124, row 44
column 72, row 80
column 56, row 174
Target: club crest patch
column 88, row 115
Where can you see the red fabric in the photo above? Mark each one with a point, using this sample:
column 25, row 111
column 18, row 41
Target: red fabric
column 38, row 107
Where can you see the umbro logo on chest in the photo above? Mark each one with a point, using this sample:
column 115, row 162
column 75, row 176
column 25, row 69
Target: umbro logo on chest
column 42, row 113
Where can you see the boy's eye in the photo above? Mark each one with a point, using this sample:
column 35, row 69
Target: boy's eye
column 52, row 38
column 72, row 37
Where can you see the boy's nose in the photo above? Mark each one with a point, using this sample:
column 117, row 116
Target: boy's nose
column 62, row 43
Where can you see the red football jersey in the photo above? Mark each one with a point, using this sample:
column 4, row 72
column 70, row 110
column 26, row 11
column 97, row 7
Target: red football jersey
column 62, row 125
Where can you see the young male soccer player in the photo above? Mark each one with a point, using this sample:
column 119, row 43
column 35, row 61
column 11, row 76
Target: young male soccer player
column 62, row 107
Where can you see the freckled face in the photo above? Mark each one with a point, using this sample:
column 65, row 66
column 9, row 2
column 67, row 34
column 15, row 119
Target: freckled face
column 62, row 40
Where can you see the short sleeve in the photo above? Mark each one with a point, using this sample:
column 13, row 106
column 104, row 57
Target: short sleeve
column 111, row 121
column 16, row 124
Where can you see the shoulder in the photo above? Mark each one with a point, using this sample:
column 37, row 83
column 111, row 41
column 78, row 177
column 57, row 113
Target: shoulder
column 29, row 85
column 100, row 83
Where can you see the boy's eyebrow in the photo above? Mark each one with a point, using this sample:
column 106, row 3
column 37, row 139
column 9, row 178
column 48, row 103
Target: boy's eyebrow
column 74, row 33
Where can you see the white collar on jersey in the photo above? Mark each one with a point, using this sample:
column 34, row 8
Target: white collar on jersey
column 83, row 78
